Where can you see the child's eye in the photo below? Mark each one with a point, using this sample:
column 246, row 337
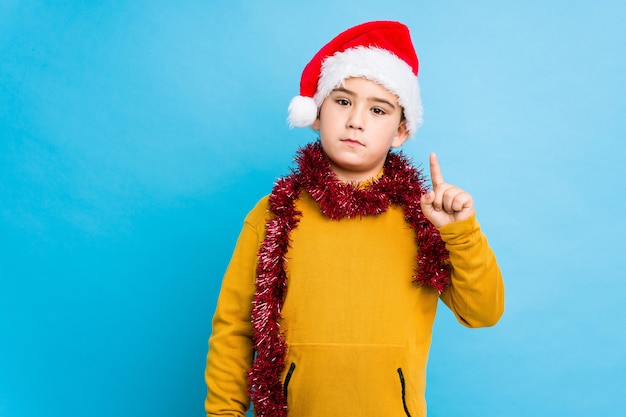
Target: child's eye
column 342, row 102
column 378, row 110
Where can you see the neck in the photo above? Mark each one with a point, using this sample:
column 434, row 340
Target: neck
column 355, row 177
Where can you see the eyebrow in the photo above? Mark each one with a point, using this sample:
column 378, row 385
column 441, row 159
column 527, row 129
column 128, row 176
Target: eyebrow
column 376, row 99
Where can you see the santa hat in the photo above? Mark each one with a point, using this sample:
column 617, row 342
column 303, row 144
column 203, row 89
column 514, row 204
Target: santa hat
column 380, row 51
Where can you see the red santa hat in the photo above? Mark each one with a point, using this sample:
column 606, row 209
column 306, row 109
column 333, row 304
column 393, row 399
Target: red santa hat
column 381, row 51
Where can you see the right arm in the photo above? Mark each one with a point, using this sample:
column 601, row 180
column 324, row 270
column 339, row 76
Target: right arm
column 230, row 345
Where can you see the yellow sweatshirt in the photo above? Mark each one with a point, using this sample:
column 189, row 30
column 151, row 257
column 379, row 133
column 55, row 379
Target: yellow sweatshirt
column 358, row 331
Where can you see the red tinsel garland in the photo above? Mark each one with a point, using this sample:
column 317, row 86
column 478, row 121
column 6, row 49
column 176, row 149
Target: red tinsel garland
column 401, row 184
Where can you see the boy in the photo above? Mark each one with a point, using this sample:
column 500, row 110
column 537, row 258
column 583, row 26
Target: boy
column 327, row 306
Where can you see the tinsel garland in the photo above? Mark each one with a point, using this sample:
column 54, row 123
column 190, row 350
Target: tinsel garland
column 401, row 184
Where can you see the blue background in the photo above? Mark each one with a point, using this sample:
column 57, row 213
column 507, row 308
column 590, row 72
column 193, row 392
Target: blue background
column 135, row 136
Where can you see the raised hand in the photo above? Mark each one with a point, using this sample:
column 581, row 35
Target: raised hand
column 445, row 203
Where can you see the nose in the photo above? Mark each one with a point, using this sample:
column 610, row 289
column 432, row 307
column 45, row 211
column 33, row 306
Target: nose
column 356, row 119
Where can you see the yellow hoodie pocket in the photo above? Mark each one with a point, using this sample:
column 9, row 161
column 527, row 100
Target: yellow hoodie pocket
column 350, row 380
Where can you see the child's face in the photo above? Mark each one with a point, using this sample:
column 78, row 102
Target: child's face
column 358, row 123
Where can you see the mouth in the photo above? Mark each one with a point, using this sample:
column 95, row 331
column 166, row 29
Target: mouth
column 352, row 142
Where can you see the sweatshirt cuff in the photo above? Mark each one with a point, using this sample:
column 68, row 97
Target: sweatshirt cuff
column 459, row 232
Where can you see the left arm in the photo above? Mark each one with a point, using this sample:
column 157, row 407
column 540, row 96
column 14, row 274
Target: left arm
column 476, row 293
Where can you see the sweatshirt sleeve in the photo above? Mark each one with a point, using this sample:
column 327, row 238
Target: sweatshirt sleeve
column 230, row 345
column 476, row 293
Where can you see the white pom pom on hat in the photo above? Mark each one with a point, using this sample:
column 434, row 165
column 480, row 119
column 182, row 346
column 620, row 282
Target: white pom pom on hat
column 302, row 111
column 381, row 51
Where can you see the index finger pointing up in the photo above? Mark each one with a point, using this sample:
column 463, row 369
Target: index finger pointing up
column 435, row 172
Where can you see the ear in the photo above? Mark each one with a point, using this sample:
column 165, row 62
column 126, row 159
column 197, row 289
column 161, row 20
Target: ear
column 316, row 123
column 401, row 135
